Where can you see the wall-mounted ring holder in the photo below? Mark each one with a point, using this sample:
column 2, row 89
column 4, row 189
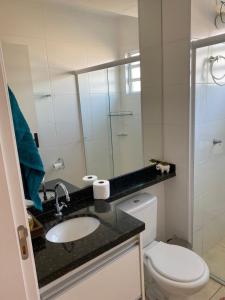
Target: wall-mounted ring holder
column 220, row 16
column 218, row 80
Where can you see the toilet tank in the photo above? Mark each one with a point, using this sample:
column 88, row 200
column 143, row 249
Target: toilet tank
column 144, row 208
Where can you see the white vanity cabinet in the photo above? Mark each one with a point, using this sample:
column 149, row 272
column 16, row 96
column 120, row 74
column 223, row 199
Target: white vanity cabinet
column 117, row 276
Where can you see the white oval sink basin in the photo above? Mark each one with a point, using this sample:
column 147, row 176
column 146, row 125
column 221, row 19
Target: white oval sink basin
column 73, row 229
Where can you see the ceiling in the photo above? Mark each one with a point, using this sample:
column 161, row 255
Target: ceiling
column 122, row 7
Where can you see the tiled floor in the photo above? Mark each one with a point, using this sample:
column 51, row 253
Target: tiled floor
column 215, row 259
column 212, row 291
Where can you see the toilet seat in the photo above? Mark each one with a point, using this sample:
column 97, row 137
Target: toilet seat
column 175, row 263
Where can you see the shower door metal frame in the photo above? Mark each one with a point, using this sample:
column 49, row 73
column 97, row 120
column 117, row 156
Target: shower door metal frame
column 114, row 63
column 196, row 44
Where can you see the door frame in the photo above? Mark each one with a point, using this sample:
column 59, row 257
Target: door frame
column 18, row 276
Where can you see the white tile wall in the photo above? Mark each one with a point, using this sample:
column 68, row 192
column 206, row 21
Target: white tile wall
column 151, row 74
column 127, row 41
column 151, row 71
column 152, row 141
column 150, row 16
column 172, row 16
column 176, row 144
column 198, row 241
column 176, row 62
column 176, row 78
column 177, row 206
column 62, row 83
column 175, row 94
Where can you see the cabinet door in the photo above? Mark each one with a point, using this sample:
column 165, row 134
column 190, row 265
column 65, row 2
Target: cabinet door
column 117, row 280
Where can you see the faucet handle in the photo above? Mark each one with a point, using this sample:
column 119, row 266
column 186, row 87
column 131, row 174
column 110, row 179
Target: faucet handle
column 63, row 204
column 60, row 208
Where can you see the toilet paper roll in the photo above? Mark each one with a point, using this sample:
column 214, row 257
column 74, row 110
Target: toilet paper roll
column 101, row 189
column 89, row 179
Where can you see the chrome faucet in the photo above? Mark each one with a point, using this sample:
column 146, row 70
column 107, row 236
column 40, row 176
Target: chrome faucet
column 44, row 190
column 59, row 207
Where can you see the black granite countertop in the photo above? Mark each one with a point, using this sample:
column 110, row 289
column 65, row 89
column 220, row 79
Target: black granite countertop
column 120, row 186
column 54, row 260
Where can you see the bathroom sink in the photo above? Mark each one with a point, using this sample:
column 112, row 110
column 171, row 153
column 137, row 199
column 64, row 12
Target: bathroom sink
column 73, row 229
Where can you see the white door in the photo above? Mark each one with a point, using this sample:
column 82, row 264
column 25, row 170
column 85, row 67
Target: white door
column 17, row 276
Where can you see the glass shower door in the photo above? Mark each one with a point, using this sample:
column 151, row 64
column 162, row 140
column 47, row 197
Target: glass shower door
column 209, row 159
column 126, row 122
column 94, row 102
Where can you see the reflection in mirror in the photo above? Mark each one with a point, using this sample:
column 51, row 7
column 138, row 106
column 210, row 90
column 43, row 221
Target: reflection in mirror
column 111, row 117
column 88, row 122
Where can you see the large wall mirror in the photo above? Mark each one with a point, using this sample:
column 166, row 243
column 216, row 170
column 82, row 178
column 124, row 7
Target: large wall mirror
column 74, row 67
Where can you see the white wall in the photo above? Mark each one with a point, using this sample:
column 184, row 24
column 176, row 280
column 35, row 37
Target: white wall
column 176, row 16
column 150, row 36
column 18, row 73
column 128, row 35
column 165, row 55
column 59, row 40
column 203, row 14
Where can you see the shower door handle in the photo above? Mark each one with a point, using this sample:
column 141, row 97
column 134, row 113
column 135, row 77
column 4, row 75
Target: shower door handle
column 216, row 141
column 122, row 134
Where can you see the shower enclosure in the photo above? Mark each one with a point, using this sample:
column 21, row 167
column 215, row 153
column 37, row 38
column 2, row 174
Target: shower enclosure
column 110, row 107
column 208, row 124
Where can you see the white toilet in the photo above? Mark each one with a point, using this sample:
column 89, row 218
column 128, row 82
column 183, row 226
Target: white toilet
column 171, row 272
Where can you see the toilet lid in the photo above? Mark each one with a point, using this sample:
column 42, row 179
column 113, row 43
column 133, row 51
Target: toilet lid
column 175, row 262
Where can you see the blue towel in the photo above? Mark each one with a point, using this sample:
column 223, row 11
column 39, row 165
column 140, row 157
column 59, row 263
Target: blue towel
column 31, row 165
